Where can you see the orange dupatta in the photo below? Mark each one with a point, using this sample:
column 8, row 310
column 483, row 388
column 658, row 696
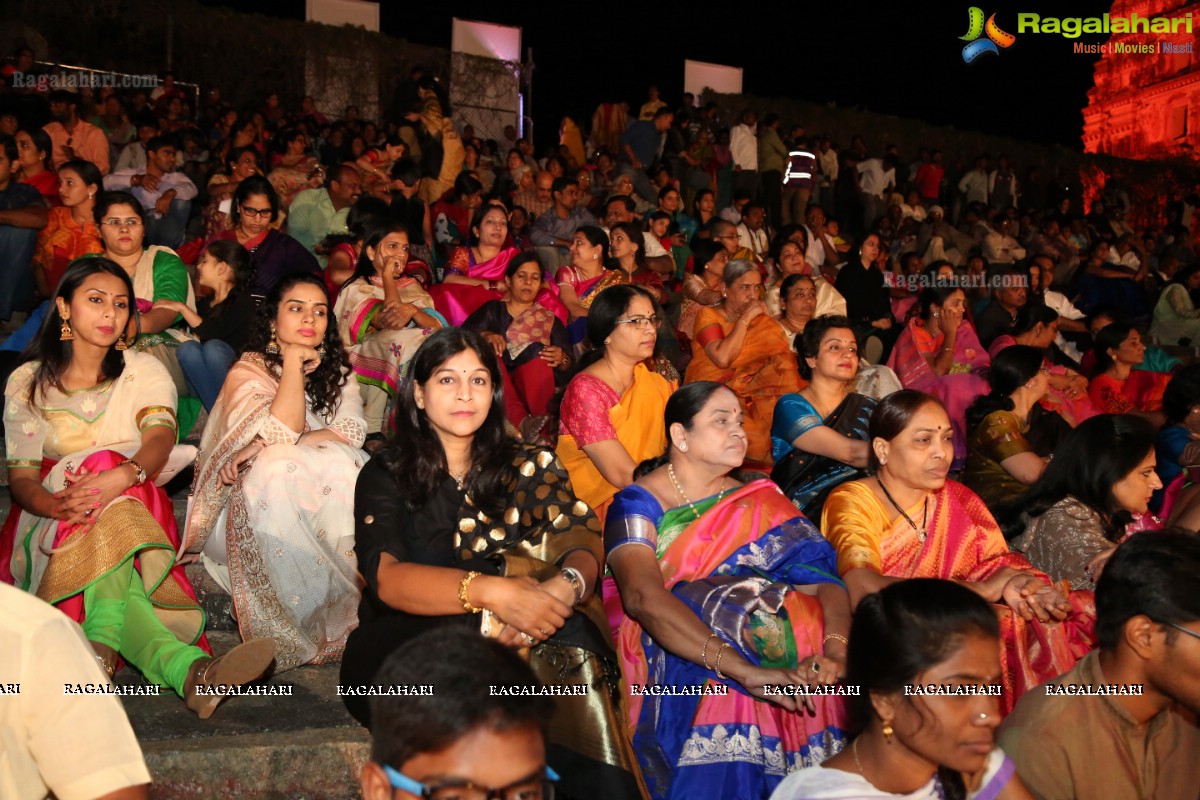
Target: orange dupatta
column 638, row 419
column 762, row 372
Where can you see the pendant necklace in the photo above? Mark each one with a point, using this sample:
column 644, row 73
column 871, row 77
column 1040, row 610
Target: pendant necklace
column 922, row 531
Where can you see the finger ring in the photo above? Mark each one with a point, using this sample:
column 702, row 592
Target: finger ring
column 816, row 667
column 88, row 513
column 530, row 639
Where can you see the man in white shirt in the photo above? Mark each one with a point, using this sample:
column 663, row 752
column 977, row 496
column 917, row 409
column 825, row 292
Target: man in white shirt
column 1070, row 318
column 999, row 247
column 974, row 185
column 743, row 147
column 876, row 177
column 166, row 195
column 79, row 747
column 821, row 253
column 752, row 231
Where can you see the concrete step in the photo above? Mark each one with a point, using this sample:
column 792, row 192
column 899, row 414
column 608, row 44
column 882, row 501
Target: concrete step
column 304, row 746
column 258, row 748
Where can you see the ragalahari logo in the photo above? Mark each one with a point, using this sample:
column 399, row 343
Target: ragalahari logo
column 976, row 28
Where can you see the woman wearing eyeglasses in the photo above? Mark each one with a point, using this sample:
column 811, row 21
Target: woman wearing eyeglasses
column 739, row 344
column 158, row 276
column 273, row 255
column 1001, row 457
column 612, row 412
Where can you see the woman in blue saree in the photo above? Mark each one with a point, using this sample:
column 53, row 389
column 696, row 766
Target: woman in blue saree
column 723, row 598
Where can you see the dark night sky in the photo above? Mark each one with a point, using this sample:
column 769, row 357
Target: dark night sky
column 900, row 58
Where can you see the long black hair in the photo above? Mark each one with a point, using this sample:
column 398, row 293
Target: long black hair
column 324, row 385
column 415, row 457
column 376, row 229
column 55, row 355
column 1012, row 368
column 1096, row 454
column 1181, row 394
column 903, row 630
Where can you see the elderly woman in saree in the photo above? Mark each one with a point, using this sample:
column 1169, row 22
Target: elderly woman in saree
column 272, row 500
column 719, row 583
column 908, row 521
column 531, row 343
column 459, row 525
column 476, row 273
column 89, row 531
column 939, row 353
column 739, row 344
column 383, row 315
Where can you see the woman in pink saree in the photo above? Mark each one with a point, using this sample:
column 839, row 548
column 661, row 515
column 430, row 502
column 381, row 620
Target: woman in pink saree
column 908, row 521
column 725, row 595
column 940, row 354
column 474, row 274
column 1036, row 325
column 89, row 423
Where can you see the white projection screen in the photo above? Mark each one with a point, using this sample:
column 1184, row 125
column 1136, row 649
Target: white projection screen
column 700, row 75
column 486, row 39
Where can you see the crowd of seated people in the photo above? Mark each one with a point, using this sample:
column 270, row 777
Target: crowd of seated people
column 432, row 396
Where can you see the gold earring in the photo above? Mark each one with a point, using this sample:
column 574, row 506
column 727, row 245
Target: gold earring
column 272, row 346
column 887, row 730
column 66, row 334
column 321, row 349
column 121, row 343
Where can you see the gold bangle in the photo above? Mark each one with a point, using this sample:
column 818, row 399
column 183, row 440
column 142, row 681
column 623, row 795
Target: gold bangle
column 462, row 593
column 704, row 652
column 721, row 652
column 837, row 637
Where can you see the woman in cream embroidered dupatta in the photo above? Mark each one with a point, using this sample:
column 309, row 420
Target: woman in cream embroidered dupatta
column 272, row 505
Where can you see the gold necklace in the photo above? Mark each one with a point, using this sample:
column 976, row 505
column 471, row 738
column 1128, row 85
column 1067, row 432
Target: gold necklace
column 683, row 495
column 857, row 763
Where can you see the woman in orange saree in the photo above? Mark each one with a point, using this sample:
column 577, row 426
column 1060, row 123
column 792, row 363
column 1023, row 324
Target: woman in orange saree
column 612, row 412
column 725, row 595
column 739, row 344
column 908, row 521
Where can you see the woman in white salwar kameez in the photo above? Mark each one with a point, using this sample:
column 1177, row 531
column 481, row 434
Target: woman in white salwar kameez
column 273, row 498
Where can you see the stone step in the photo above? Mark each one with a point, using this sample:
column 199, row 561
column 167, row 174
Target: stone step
column 301, row 746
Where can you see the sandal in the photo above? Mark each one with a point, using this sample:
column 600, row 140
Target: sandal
column 245, row 663
column 107, row 657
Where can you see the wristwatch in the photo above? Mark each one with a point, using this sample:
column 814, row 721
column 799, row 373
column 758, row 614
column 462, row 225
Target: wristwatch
column 141, row 471
column 575, row 578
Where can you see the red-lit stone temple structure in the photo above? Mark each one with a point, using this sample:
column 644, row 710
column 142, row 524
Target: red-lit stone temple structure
column 1147, row 105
